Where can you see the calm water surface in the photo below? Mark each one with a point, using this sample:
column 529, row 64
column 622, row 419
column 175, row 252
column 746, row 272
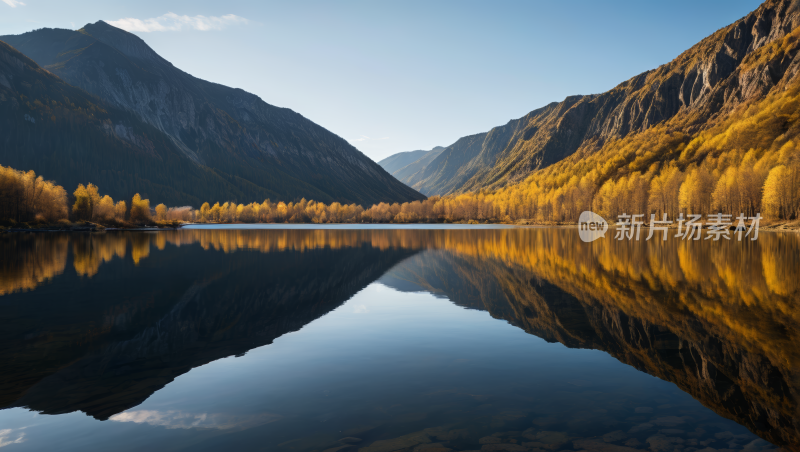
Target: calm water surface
column 381, row 340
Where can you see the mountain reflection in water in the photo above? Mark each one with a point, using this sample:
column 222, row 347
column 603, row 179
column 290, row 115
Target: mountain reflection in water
column 100, row 322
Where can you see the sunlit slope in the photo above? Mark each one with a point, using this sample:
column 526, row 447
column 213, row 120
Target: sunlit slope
column 717, row 79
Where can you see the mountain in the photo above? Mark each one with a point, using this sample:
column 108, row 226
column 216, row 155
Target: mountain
column 172, row 123
column 407, row 170
column 399, row 160
column 736, row 66
column 62, row 131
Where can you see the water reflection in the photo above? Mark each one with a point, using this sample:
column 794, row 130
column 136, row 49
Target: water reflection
column 718, row 319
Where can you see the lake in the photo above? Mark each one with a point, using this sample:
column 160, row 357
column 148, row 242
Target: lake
column 385, row 339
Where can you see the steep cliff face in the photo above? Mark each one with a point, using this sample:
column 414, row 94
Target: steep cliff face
column 699, row 87
column 222, row 128
column 67, row 134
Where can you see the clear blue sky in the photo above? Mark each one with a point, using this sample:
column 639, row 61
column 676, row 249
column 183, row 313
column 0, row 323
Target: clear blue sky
column 399, row 76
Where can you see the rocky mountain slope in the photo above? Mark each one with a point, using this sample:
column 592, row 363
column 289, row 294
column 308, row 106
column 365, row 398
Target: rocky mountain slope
column 738, row 64
column 63, row 132
column 261, row 150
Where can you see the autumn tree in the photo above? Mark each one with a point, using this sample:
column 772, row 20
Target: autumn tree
column 120, row 209
column 781, row 192
column 24, row 196
column 205, row 210
column 161, row 212
column 105, row 209
column 140, row 209
column 695, row 192
column 82, row 209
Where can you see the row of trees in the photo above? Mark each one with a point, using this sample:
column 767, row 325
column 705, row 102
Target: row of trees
column 750, row 187
column 24, row 196
column 748, row 162
column 769, row 185
column 765, row 181
column 89, row 206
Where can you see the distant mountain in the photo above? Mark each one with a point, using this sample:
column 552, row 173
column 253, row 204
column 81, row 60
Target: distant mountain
column 246, row 149
column 696, row 90
column 406, row 165
column 399, row 160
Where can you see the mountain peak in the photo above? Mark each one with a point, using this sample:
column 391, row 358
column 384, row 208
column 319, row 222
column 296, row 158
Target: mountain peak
column 127, row 43
column 189, row 128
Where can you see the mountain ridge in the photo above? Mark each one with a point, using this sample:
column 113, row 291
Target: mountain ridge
column 225, row 129
column 406, row 165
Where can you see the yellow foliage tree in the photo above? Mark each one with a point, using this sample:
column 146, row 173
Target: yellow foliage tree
column 161, row 212
column 140, row 209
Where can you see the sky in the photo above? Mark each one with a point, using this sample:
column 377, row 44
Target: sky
column 400, row 76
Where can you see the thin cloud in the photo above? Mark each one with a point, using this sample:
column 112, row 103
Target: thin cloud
column 7, row 434
column 13, row 3
column 179, row 419
column 174, row 22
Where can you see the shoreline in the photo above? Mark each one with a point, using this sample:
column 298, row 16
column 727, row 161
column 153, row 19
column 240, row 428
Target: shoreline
column 89, row 227
column 785, row 226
